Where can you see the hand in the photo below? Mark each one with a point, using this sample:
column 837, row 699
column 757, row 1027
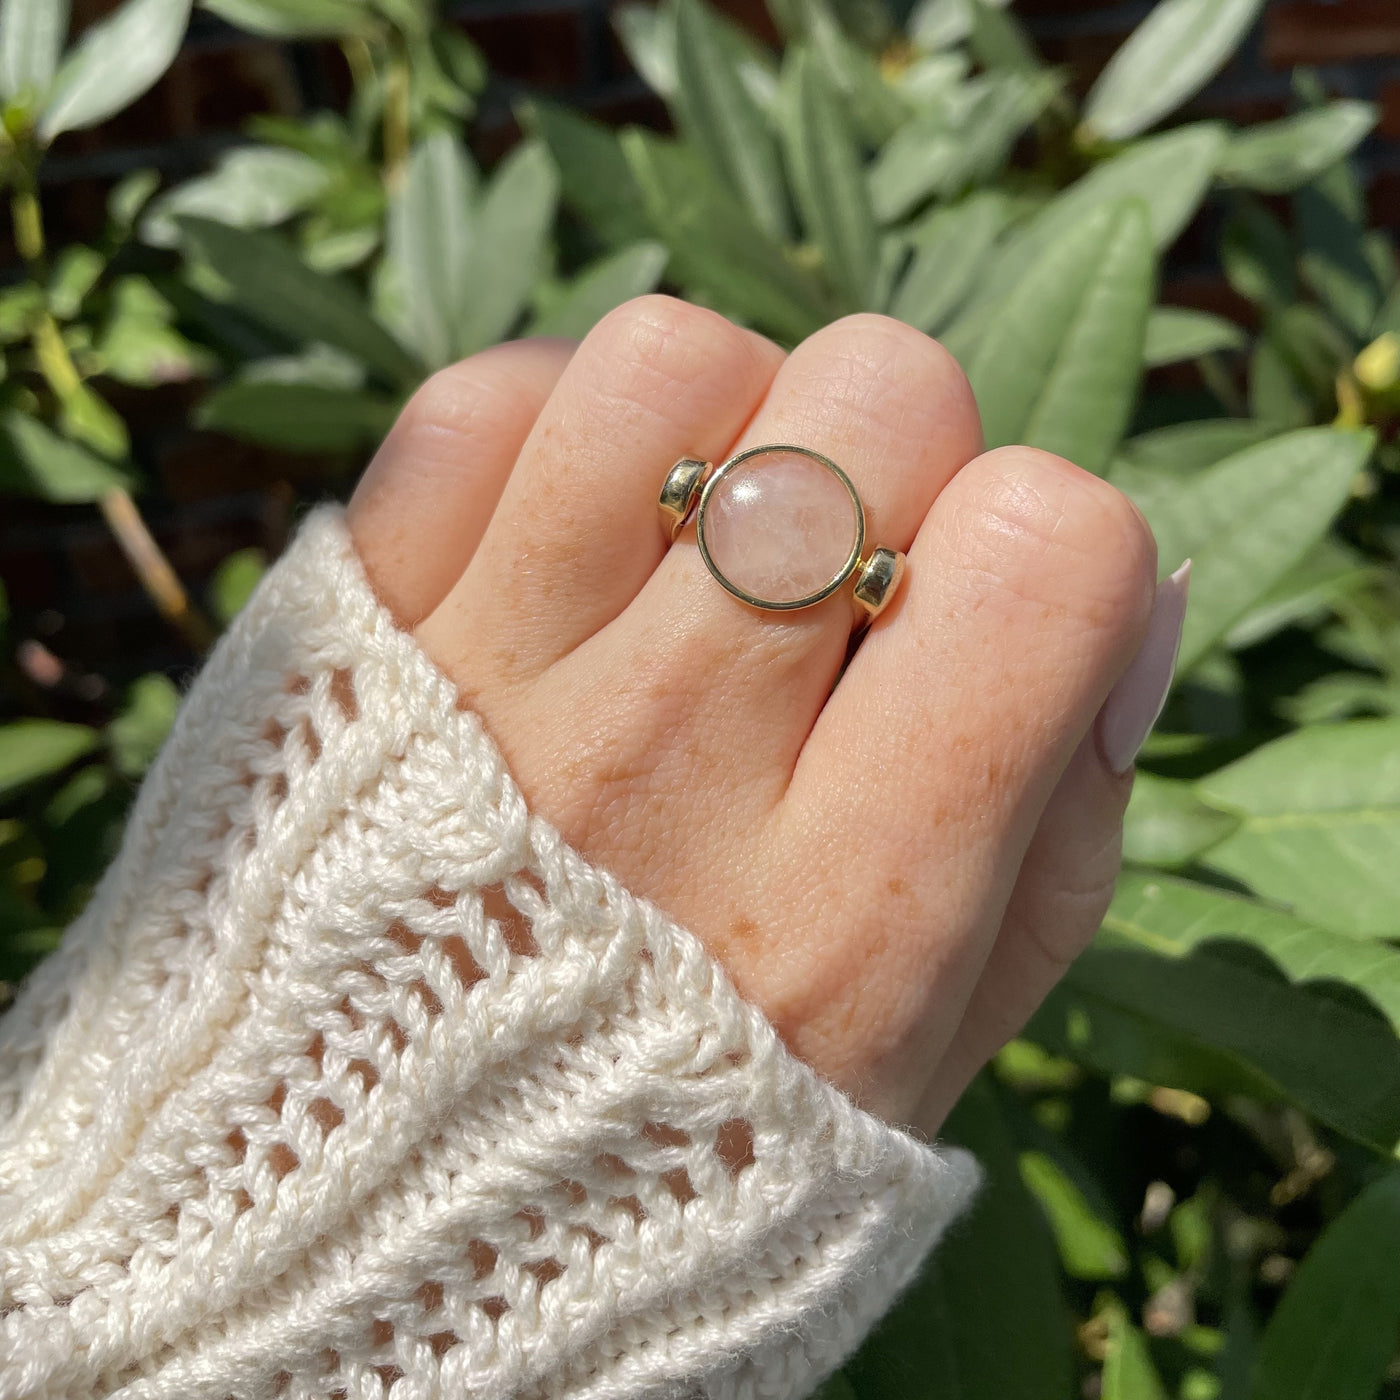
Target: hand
column 896, row 866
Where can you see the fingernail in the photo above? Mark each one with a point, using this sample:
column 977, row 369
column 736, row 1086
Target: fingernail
column 1134, row 704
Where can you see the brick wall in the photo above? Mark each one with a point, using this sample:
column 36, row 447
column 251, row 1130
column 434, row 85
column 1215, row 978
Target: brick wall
column 69, row 587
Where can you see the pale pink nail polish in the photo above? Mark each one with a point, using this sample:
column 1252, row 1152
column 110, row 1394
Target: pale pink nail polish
column 1134, row 704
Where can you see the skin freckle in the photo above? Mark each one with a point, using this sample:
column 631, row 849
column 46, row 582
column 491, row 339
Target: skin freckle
column 743, row 928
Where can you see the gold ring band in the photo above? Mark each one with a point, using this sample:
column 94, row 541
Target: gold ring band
column 747, row 559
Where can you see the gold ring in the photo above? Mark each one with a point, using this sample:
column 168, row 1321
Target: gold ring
column 781, row 527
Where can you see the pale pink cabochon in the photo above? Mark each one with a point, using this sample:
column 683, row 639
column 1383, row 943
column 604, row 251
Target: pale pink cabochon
column 780, row 526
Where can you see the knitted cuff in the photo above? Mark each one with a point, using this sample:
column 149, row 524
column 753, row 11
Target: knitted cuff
column 355, row 1081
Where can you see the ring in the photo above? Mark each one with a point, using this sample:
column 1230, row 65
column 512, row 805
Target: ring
column 781, row 527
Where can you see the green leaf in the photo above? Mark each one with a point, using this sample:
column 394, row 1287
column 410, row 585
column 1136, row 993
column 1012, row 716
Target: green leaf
column 115, row 61
column 632, row 272
column 234, row 581
column 1305, row 594
column 139, row 345
column 715, row 249
column 274, row 286
column 1320, row 813
column 31, row 39
column 1058, row 366
column 1248, row 520
column 1335, row 261
column 1283, row 155
column 432, row 238
column 986, row 1319
column 37, row 748
column 298, row 417
column 41, row 463
column 648, row 34
column 717, row 114
column 293, row 19
column 828, row 181
column 951, row 247
column 1333, row 1334
column 513, row 226
column 595, row 178
column 1090, row 1248
column 1167, row 825
column 134, row 737
column 1183, row 449
column 75, row 273
column 1170, row 174
column 1167, row 59
column 1174, row 334
column 1195, row 989
column 1128, row 1372
column 252, row 187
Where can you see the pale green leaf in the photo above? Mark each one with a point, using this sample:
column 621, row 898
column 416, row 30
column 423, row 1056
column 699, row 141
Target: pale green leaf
column 1167, row 825
column 631, row 272
column 1248, row 520
column 718, row 114
column 1167, row 59
column 1175, row 333
column 648, row 34
column 115, row 61
column 298, row 417
column 1321, row 822
column 31, row 39
column 134, row 737
column 1336, row 261
column 828, row 181
column 1282, row 155
column 1330, row 572
column 1128, row 1372
column 1059, row 364
column 294, row 19
column 1090, row 1247
column 40, row 463
column 513, row 226
column 715, row 249
column 37, row 748
column 950, row 248
column 234, row 581
column 1333, row 1335
column 432, row 241
column 272, row 284
column 251, row 187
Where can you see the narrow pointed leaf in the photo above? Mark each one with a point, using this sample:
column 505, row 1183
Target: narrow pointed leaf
column 298, row 417
column 36, row 748
column 1168, row 825
column 829, row 183
column 1175, row 333
column 115, row 61
column 1058, row 366
column 1246, row 521
column 1333, row 1335
column 36, row 461
column 1128, row 1372
column 513, row 227
column 432, row 238
column 294, row 19
column 1167, row 59
column 719, row 115
column 608, row 283
column 1320, row 822
column 951, row 248
column 271, row 284
column 715, row 249
column 31, row 39
column 1283, row 155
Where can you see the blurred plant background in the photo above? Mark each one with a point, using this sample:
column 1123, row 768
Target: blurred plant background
column 1193, row 1190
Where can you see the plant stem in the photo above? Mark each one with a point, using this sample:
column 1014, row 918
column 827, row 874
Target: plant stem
column 157, row 576
column 121, row 513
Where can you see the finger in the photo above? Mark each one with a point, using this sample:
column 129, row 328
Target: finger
column 422, row 506
column 577, row 532
column 1028, row 592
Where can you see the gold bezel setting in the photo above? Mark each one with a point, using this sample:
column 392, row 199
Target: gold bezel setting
column 767, row 604
column 877, row 574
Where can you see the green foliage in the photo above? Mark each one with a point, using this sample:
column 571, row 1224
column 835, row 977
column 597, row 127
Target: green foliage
column 1209, row 1103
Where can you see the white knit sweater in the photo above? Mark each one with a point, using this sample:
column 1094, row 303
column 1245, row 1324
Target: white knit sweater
column 354, row 1081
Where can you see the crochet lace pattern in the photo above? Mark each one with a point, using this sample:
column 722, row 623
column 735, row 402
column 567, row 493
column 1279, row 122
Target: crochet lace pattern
column 355, row 1082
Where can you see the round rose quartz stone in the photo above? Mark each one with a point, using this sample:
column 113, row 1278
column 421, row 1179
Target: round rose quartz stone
column 780, row 526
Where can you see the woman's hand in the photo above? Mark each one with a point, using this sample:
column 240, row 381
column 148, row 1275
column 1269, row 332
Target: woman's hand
column 896, row 866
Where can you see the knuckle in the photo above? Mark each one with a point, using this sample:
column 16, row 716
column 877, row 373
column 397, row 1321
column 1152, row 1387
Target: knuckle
column 670, row 339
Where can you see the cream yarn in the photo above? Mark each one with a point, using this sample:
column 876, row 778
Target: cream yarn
column 354, row 1081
